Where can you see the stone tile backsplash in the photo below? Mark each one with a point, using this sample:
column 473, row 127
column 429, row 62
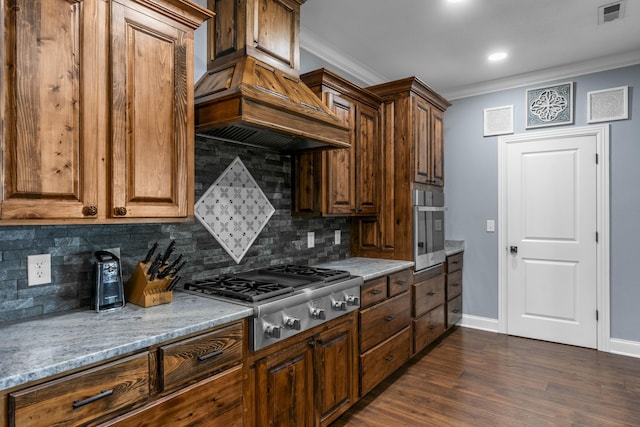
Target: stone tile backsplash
column 283, row 240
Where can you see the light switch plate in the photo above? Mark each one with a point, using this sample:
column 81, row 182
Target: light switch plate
column 311, row 239
column 491, row 225
column 336, row 239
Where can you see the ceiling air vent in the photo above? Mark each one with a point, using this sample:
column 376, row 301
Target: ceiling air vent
column 611, row 12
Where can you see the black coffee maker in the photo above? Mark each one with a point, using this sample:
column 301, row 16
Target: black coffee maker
column 107, row 292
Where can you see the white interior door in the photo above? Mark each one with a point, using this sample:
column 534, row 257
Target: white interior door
column 551, row 265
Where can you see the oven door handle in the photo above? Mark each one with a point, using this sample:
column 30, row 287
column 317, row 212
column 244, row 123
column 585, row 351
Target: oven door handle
column 430, row 208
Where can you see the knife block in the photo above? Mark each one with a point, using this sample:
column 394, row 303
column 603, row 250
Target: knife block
column 144, row 292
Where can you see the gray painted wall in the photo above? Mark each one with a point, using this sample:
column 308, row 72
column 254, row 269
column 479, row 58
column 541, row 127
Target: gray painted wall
column 471, row 179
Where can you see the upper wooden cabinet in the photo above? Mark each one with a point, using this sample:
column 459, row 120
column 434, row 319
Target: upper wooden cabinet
column 343, row 182
column 97, row 109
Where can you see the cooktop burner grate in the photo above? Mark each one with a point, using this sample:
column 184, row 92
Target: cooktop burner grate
column 239, row 288
column 325, row 274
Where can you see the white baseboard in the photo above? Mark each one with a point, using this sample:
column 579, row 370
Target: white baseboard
column 616, row 345
column 624, row 347
column 477, row 322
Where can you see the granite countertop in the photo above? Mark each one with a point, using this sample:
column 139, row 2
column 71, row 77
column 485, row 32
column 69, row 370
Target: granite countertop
column 368, row 268
column 452, row 247
column 49, row 345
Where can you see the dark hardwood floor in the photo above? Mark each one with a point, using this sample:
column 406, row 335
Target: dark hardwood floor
column 477, row 378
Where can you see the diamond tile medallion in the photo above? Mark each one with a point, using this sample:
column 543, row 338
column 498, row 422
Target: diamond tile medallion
column 234, row 210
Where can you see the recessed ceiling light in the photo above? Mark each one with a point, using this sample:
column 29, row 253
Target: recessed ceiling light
column 497, row 56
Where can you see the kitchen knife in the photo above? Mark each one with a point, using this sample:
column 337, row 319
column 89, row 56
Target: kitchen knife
column 150, row 253
column 167, row 253
column 153, row 268
column 173, row 283
column 178, row 268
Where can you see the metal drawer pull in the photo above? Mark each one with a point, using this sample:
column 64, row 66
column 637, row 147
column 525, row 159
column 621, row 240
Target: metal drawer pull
column 389, row 318
column 456, row 311
column 101, row 395
column 431, row 293
column 210, row 355
column 432, row 327
column 390, row 357
column 455, row 284
column 375, row 291
column 401, row 283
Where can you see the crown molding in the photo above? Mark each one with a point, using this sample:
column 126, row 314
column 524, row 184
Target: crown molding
column 332, row 55
column 542, row 76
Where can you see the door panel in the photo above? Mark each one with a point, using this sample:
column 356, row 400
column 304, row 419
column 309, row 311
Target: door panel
column 551, row 219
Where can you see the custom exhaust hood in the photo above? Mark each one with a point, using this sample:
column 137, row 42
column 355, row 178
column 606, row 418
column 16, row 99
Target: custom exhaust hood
column 251, row 92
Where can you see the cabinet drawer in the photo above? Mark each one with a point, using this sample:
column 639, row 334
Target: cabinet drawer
column 454, row 262
column 399, row 282
column 454, row 284
column 80, row 398
column 213, row 401
column 428, row 294
column 454, row 311
column 195, row 358
column 373, row 291
column 427, row 328
column 379, row 322
column 377, row 363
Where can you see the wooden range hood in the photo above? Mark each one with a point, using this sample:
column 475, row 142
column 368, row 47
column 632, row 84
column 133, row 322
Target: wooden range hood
column 252, row 93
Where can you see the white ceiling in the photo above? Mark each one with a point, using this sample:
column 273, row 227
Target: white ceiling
column 446, row 44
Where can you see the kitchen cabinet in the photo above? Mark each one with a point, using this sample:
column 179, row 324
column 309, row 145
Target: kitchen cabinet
column 453, row 268
column 385, row 332
column 412, row 158
column 342, row 182
column 194, row 380
column 428, row 310
column 310, row 379
column 99, row 110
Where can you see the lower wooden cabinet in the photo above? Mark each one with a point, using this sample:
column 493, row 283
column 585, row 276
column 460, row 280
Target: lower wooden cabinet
column 453, row 268
column 383, row 359
column 306, row 382
column 429, row 315
column 85, row 397
column 215, row 401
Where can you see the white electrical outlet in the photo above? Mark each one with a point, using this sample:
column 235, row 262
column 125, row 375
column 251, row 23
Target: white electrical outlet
column 311, row 236
column 491, row 225
column 337, row 237
column 39, row 269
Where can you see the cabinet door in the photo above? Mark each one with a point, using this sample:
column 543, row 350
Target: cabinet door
column 152, row 114
column 284, row 392
column 367, row 160
column 339, row 199
column 421, row 139
column 50, row 135
column 336, row 371
column 437, row 148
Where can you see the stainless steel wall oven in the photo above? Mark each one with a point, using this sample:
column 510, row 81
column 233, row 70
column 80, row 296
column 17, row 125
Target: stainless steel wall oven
column 428, row 228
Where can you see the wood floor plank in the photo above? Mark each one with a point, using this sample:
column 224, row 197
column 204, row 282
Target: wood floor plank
column 478, row 378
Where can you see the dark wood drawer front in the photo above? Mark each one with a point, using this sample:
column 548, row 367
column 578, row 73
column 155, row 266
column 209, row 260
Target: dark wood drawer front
column 399, row 282
column 454, row 284
column 373, row 291
column 213, row 401
column 428, row 295
column 379, row 322
column 454, row 311
column 428, row 327
column 195, row 358
column 377, row 363
column 454, row 262
column 85, row 396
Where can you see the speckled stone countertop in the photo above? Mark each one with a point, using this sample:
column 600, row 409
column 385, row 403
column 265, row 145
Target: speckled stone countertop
column 452, row 247
column 368, row 268
column 45, row 346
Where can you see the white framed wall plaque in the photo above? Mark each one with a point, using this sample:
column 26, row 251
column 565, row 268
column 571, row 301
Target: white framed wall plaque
column 608, row 104
column 498, row 120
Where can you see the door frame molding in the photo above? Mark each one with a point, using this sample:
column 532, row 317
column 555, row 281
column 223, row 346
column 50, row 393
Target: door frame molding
column 601, row 132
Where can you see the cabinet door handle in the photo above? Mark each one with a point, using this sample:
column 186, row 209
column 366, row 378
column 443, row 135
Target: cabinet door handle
column 389, row 318
column 120, row 211
column 101, row 395
column 90, row 211
column 375, row 291
column 210, row 355
column 390, row 357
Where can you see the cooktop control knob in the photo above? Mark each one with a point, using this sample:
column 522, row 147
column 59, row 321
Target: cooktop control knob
column 318, row 314
column 272, row 331
column 292, row 323
column 351, row 300
column 340, row 305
